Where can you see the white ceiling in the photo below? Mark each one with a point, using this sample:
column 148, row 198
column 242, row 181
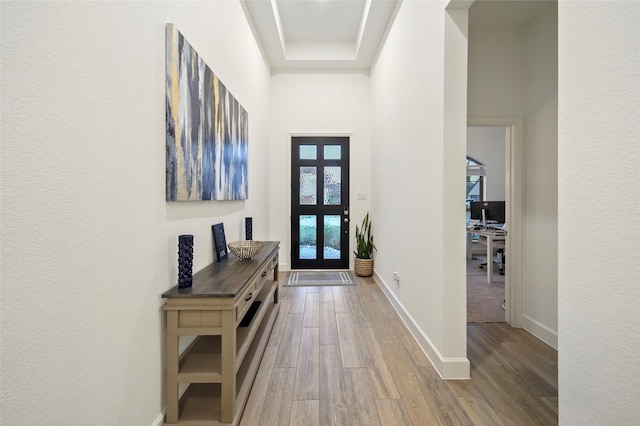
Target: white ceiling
column 346, row 35
column 297, row 35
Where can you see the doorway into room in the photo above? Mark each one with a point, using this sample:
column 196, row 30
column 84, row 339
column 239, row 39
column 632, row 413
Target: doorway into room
column 486, row 249
column 320, row 202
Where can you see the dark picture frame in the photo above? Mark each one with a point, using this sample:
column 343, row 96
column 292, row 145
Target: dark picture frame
column 219, row 242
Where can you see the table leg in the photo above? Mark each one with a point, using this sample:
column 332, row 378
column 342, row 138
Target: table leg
column 489, row 258
column 228, row 387
column 172, row 367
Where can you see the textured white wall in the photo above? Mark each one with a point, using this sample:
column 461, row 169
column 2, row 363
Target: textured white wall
column 407, row 163
column 512, row 73
column 408, row 158
column 599, row 211
column 317, row 104
column 88, row 242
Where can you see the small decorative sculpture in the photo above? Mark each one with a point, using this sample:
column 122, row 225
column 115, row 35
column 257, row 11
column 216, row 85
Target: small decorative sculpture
column 185, row 261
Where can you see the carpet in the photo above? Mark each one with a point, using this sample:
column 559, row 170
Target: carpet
column 313, row 278
column 484, row 300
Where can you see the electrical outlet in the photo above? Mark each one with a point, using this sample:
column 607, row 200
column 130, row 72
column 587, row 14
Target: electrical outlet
column 396, row 277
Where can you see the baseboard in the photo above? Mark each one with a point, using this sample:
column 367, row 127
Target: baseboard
column 447, row 368
column 540, row 331
column 160, row 419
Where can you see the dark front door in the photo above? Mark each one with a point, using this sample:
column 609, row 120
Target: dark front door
column 320, row 203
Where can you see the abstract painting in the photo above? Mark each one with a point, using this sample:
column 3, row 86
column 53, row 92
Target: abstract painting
column 207, row 129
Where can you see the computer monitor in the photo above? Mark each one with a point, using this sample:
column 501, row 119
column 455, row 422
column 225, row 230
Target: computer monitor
column 493, row 211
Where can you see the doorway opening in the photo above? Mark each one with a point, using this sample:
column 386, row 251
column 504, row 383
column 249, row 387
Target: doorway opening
column 486, row 224
column 502, row 178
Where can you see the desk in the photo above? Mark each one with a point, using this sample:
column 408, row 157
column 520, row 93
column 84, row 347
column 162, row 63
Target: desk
column 491, row 236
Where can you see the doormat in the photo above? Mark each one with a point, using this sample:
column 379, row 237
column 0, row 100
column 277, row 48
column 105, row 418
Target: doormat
column 313, row 278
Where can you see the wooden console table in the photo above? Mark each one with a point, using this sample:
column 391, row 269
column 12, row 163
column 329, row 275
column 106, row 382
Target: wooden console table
column 231, row 307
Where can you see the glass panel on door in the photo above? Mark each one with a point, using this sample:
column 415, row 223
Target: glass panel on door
column 332, row 187
column 308, row 236
column 308, row 186
column 308, row 152
column 332, row 152
column 332, row 236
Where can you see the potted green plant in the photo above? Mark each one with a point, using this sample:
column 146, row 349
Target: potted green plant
column 364, row 249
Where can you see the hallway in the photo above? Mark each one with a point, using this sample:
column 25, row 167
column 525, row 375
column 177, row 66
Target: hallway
column 341, row 355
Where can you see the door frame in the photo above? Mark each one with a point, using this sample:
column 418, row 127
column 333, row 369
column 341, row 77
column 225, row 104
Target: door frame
column 289, row 189
column 514, row 197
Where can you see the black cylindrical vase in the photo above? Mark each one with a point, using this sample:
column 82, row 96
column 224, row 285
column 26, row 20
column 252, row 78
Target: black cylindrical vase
column 248, row 228
column 185, row 261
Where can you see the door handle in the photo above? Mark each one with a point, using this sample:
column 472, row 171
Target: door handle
column 346, row 217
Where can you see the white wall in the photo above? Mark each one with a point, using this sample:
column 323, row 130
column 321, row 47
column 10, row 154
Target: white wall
column 486, row 144
column 496, row 71
column 408, row 157
column 599, row 207
column 512, row 73
column 540, row 226
column 88, row 242
column 317, row 104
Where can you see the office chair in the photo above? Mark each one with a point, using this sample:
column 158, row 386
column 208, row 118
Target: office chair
column 500, row 249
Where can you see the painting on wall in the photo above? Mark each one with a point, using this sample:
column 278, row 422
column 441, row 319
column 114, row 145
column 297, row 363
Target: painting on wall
column 207, row 129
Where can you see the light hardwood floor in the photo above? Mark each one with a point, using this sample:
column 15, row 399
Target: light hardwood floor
column 341, row 356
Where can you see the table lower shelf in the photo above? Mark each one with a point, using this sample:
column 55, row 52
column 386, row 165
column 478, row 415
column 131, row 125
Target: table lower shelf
column 201, row 402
